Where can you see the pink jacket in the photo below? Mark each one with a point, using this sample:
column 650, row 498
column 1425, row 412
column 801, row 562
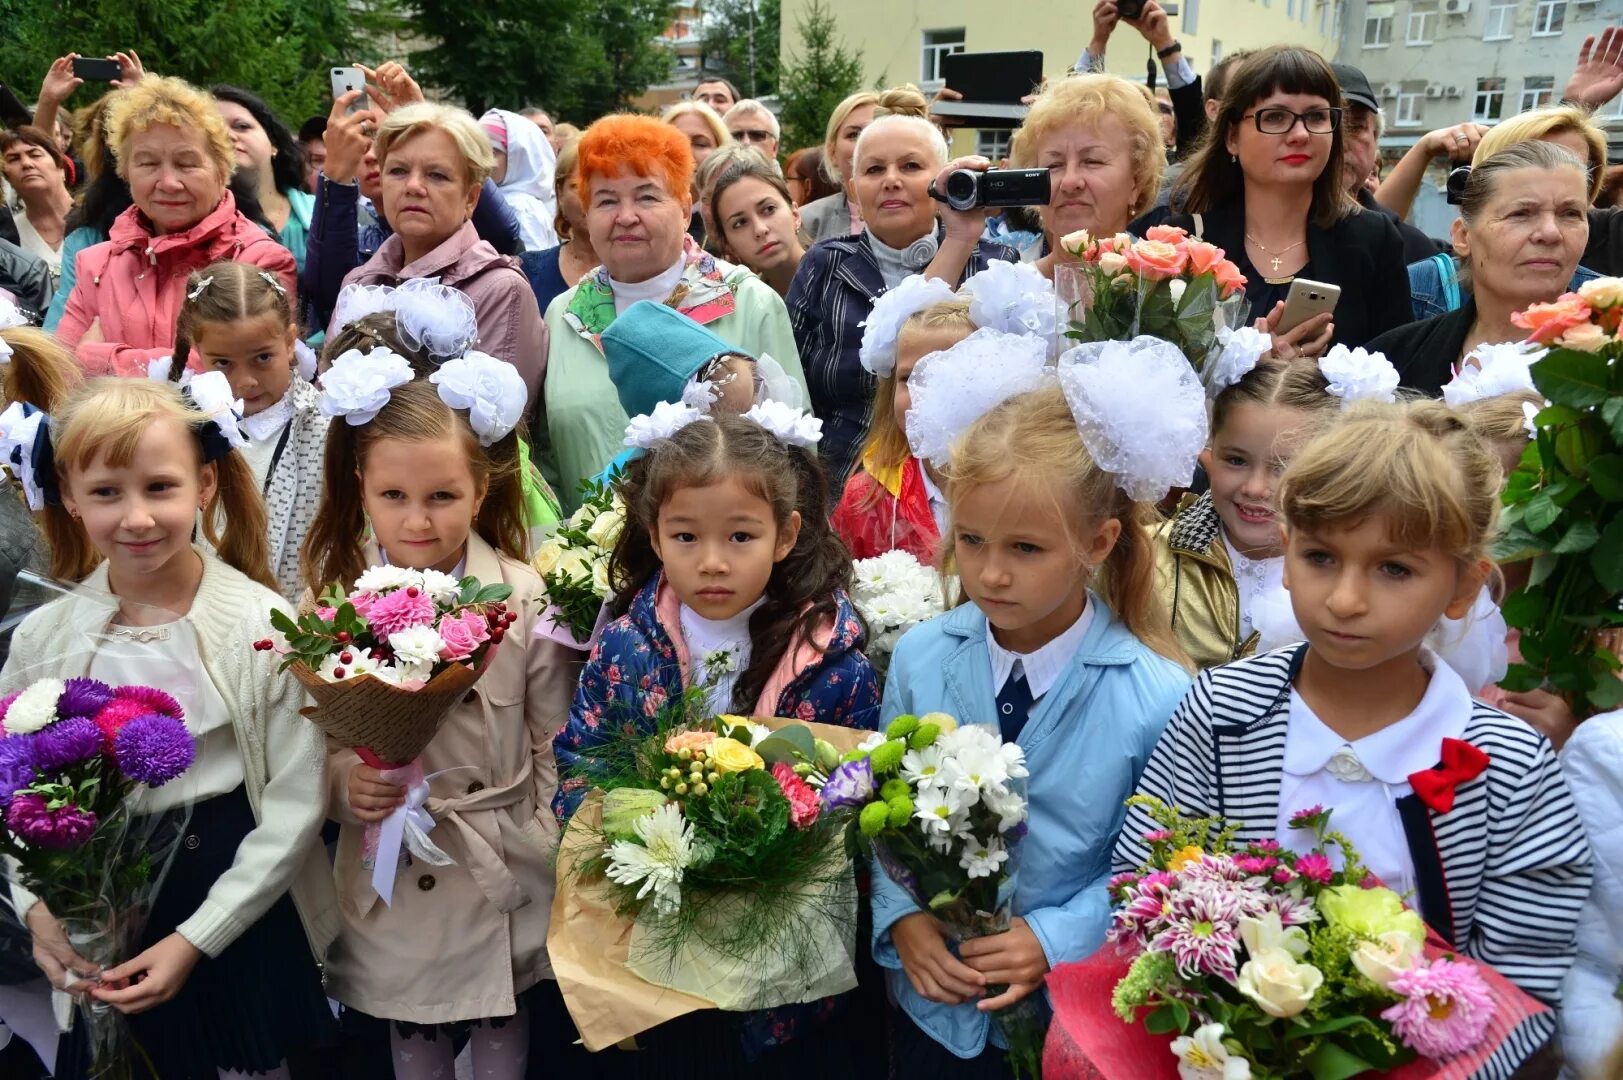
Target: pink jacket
column 510, row 326
column 135, row 283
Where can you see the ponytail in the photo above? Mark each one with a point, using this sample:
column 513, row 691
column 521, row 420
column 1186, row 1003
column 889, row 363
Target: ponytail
column 40, row 371
column 243, row 543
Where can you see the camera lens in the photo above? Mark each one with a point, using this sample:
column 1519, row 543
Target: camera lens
column 963, row 189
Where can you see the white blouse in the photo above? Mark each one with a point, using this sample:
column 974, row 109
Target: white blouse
column 1253, row 578
column 718, row 652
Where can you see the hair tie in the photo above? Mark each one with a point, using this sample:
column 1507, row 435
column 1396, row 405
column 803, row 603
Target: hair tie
column 491, row 390
column 1499, row 369
column 358, row 384
column 270, row 279
column 1242, row 348
column 894, row 307
column 791, row 426
column 1358, row 375
column 953, row 388
column 1014, row 298
column 197, row 290
column 210, row 394
column 26, row 452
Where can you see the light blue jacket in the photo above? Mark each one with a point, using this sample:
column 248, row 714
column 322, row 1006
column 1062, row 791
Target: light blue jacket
column 1086, row 742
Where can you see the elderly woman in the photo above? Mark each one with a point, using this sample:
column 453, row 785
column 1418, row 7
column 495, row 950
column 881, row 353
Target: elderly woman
column 523, row 174
column 897, row 157
column 1521, row 231
column 634, row 177
column 38, row 173
column 268, row 153
column 1101, row 144
column 172, row 148
column 835, row 215
column 433, row 160
column 700, row 125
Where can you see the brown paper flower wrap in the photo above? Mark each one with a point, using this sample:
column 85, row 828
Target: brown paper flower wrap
column 388, row 726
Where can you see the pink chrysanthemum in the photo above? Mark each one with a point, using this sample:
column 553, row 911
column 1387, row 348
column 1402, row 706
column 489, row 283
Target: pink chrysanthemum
column 399, row 611
column 1266, row 845
column 1284, row 875
column 120, row 711
column 1201, row 933
column 1255, row 864
column 1293, row 910
column 1445, row 1009
column 58, row 830
column 153, row 700
column 1145, row 906
column 803, row 802
column 1315, row 867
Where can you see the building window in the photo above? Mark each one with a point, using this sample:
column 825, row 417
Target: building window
column 992, row 143
column 1324, row 16
column 1217, row 54
column 1422, row 24
column 1377, row 31
column 939, row 43
column 1409, row 108
column 1489, row 104
column 1549, row 17
column 1191, row 15
column 1290, row 9
column 1501, row 21
column 1537, row 91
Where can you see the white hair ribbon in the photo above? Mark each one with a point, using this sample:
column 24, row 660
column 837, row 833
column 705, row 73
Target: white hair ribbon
column 792, row 426
column 883, row 325
column 357, row 385
column 491, row 390
column 1358, row 375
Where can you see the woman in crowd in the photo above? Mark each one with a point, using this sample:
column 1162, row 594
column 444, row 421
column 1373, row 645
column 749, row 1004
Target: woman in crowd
column 700, row 125
column 897, row 157
column 525, row 162
column 1521, row 231
column 756, row 222
column 635, row 175
column 38, row 172
column 1101, row 144
column 103, row 196
column 1268, row 189
column 556, row 270
column 433, row 160
column 835, row 214
column 803, row 172
column 172, row 148
column 268, row 152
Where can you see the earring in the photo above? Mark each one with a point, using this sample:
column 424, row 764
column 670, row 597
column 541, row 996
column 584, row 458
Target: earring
column 1234, row 159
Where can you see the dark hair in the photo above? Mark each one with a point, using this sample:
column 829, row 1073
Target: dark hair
column 1292, row 384
column 807, row 164
column 800, row 593
column 731, row 89
column 369, row 332
column 234, row 292
column 33, row 136
column 312, row 129
column 1218, row 77
column 1214, row 177
column 744, row 163
column 288, row 165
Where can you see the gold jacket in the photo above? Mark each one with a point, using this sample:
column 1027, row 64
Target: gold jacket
column 1196, row 582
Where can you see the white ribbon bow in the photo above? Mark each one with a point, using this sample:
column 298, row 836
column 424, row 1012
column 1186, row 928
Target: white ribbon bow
column 409, row 824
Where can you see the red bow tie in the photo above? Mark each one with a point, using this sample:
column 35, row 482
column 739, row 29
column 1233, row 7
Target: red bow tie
column 1461, row 763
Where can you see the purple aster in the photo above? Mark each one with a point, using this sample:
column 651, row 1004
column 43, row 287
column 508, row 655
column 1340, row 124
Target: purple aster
column 1445, row 1010
column 60, row 830
column 16, row 765
column 1315, row 866
column 849, row 786
column 83, row 697
column 154, row 749
column 66, row 742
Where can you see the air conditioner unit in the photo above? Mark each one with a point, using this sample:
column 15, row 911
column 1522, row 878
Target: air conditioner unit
column 1390, row 90
column 1452, row 91
column 1456, row 7
column 1435, row 90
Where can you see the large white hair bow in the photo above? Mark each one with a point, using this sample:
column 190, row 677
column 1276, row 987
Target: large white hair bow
column 1357, row 375
column 1140, row 409
column 1491, row 370
column 1242, row 347
column 1012, row 297
column 20, row 428
column 953, row 388
column 791, row 425
column 357, row 385
column 211, row 395
column 666, row 420
column 884, row 323
column 432, row 317
column 491, row 390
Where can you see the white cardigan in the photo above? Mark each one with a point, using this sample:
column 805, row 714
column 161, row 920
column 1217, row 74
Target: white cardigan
column 282, row 752
column 1591, row 1014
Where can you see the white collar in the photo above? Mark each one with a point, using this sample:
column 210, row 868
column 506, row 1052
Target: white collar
column 657, row 288
column 717, row 632
column 269, row 420
column 1044, row 667
column 938, row 502
column 931, row 492
column 1392, row 753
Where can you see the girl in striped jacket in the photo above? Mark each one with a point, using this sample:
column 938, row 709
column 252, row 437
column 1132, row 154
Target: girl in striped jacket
column 1451, row 802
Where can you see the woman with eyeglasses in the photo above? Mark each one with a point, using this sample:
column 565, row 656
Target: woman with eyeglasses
column 1267, row 187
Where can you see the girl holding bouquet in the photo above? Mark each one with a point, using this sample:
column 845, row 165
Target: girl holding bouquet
column 1066, row 642
column 227, row 980
column 424, row 473
column 1388, row 517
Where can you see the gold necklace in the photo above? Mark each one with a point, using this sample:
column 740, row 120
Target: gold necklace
column 1276, row 260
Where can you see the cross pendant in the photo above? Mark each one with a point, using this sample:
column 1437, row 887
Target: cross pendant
column 1276, row 264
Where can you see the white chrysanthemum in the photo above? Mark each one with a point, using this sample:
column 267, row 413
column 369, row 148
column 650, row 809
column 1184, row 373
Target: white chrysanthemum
column 975, row 770
column 1009, row 806
column 443, row 588
column 983, row 858
column 668, row 417
column 872, row 742
column 491, row 390
column 34, row 708
column 1242, row 347
column 416, row 645
column 1357, row 375
column 666, row 851
column 792, row 426
column 380, row 579
column 894, row 592
column 1014, row 760
column 922, row 768
column 360, row 663
column 970, row 738
column 939, row 810
column 912, row 294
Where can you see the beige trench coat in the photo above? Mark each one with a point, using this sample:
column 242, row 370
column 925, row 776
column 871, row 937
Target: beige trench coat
column 461, row 942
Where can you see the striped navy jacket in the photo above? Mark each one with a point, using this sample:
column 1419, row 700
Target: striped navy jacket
column 1502, row 876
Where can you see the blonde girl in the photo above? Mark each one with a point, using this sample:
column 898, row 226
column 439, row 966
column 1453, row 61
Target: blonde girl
column 1388, row 517
column 227, row 979
column 240, row 322
column 430, row 479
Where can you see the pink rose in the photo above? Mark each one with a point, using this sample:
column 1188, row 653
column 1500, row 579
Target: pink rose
column 1203, row 257
column 1167, row 234
column 1155, row 260
column 689, row 740
column 1229, row 279
column 1549, row 321
column 462, row 634
column 362, row 603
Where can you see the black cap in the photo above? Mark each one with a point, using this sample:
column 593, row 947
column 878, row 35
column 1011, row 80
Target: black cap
column 1355, row 87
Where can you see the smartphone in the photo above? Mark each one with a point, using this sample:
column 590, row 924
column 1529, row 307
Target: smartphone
column 345, row 79
column 1305, row 300
column 93, row 69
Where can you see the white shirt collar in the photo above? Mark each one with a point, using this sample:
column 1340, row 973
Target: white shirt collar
column 728, row 641
column 938, row 501
column 1391, row 754
column 269, row 420
column 1044, row 667
column 657, row 288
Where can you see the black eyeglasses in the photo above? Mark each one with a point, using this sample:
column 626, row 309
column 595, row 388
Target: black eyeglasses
column 1276, row 120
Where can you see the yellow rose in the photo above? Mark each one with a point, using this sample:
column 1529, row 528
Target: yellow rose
column 1586, row 336
column 1606, row 292
column 1386, row 958
column 1112, row 263
column 730, row 755
column 1278, row 984
column 575, row 563
column 546, row 557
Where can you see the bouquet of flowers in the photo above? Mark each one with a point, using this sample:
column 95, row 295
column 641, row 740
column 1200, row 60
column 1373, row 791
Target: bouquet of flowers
column 1265, row 963
column 894, row 592
column 1564, row 503
column 574, row 567
column 1168, row 285
column 75, row 757
column 385, row 663
column 943, row 806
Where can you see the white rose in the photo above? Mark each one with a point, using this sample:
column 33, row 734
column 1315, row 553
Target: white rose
column 1269, row 933
column 1384, row 959
column 1077, row 242
column 416, row 645
column 605, row 531
column 576, row 563
column 1279, row 985
column 1112, row 263
column 1606, row 292
column 600, row 577
column 547, row 557
column 583, row 516
column 1586, row 336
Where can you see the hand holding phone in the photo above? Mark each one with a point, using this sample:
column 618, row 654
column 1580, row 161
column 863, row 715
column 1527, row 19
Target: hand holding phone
column 96, row 69
column 1305, row 300
column 345, row 79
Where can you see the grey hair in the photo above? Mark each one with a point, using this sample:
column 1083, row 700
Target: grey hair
column 937, row 141
column 751, row 107
column 1483, row 182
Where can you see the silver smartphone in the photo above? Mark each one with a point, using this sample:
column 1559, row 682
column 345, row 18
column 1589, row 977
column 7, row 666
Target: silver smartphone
column 1305, row 300
column 345, row 79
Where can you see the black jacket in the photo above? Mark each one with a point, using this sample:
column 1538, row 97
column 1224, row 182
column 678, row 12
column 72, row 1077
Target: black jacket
column 1604, row 254
column 1362, row 253
column 1416, row 244
column 26, row 278
column 1425, row 352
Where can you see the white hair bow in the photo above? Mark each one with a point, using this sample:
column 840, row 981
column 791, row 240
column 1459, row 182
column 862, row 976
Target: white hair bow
column 491, row 390
column 1497, row 369
column 432, row 317
column 795, row 427
column 1357, row 375
column 953, row 388
column 211, row 394
column 357, row 385
column 20, row 426
column 884, row 322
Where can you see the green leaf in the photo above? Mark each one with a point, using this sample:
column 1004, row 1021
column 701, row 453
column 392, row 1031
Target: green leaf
column 1570, row 377
column 1524, row 607
column 1543, row 567
column 1161, row 1022
column 1606, row 474
column 1541, row 512
column 1612, row 413
column 1580, row 537
column 1180, row 1013
column 1606, row 557
column 1333, row 1062
column 283, row 622
column 1607, row 693
column 492, row 594
column 792, row 744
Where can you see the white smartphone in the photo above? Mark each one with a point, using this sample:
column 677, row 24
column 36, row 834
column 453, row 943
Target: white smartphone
column 345, row 79
column 1305, row 300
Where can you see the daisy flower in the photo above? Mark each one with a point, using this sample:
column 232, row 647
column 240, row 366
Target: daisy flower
column 667, row 849
column 983, row 858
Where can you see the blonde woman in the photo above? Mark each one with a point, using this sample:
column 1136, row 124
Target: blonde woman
column 836, row 215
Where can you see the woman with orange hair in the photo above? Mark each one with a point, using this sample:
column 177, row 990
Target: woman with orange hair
column 635, row 179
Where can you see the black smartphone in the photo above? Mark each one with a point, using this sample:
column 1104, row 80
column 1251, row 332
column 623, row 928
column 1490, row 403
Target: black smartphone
column 95, row 69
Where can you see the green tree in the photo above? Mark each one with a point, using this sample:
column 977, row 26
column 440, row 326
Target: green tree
column 619, row 55
column 741, row 38
column 823, row 75
column 280, row 49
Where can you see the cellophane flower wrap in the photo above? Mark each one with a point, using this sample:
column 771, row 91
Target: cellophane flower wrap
column 1264, row 963
column 894, row 592
column 1168, row 285
column 714, row 843
column 76, row 758
column 1564, row 502
column 574, row 567
column 943, row 807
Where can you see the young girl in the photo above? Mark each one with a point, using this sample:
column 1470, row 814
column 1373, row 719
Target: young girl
column 240, row 322
column 1388, row 518
column 1065, row 642
column 226, row 979
column 424, row 473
